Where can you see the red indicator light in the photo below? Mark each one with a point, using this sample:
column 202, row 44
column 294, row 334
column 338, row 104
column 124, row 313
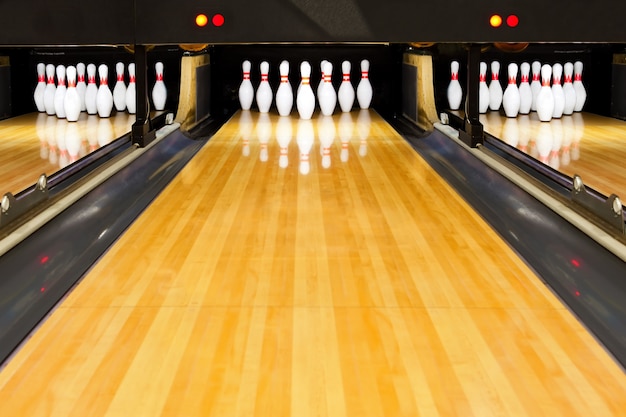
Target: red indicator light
column 512, row 20
column 202, row 20
column 218, row 20
column 575, row 263
column 43, row 260
column 495, row 21
column 577, row 293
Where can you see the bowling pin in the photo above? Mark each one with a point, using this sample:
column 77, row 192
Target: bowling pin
column 80, row 84
column 525, row 92
column 119, row 90
column 159, row 91
column 59, row 94
column 264, row 95
column 557, row 91
column 321, row 83
column 305, row 100
column 40, row 88
column 568, row 89
column 581, row 93
column 454, row 92
column 483, row 89
column 545, row 99
column 48, row 93
column 364, row 90
column 104, row 97
column 346, row 94
column 327, row 95
column 495, row 89
column 246, row 91
column 91, row 91
column 511, row 97
column 71, row 103
column 535, row 85
column 131, row 99
column 284, row 93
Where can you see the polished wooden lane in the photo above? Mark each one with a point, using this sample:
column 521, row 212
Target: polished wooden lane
column 35, row 144
column 361, row 286
column 586, row 144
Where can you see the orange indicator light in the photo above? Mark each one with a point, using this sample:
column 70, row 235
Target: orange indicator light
column 202, row 20
column 495, row 20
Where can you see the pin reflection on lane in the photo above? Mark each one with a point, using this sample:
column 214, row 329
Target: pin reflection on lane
column 271, row 131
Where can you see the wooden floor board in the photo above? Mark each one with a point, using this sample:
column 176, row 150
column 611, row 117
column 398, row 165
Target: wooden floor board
column 251, row 289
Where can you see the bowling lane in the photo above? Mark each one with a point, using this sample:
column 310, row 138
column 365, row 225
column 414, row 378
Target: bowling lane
column 586, row 144
column 311, row 268
column 35, row 143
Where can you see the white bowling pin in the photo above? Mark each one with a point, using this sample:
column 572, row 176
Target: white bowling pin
column 59, row 94
column 81, row 86
column 48, row 93
column 104, row 97
column 40, row 88
column 71, row 102
column 159, row 91
column 525, row 92
column 327, row 95
column 545, row 99
column 364, row 90
column 304, row 138
column 581, row 93
column 264, row 95
column 535, row 85
column 131, row 99
column 483, row 89
column 454, row 92
column 495, row 89
column 91, row 91
column 246, row 91
column 557, row 91
column 305, row 100
column 568, row 89
column 346, row 94
column 119, row 90
column 511, row 97
column 321, row 83
column 284, row 133
column 284, row 93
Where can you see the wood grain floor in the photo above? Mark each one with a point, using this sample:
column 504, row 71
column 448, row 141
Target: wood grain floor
column 251, row 287
column 35, row 144
column 586, row 144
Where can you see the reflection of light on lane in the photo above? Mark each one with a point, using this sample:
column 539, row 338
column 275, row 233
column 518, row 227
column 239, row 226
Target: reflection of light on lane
column 92, row 132
column 523, row 124
column 105, row 131
column 345, row 128
column 59, row 133
column 363, row 125
column 544, row 141
column 557, row 140
column 284, row 133
column 72, row 142
column 326, row 130
column 568, row 134
column 510, row 131
column 579, row 131
column 245, row 130
column 263, row 133
column 305, row 136
column 51, row 139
